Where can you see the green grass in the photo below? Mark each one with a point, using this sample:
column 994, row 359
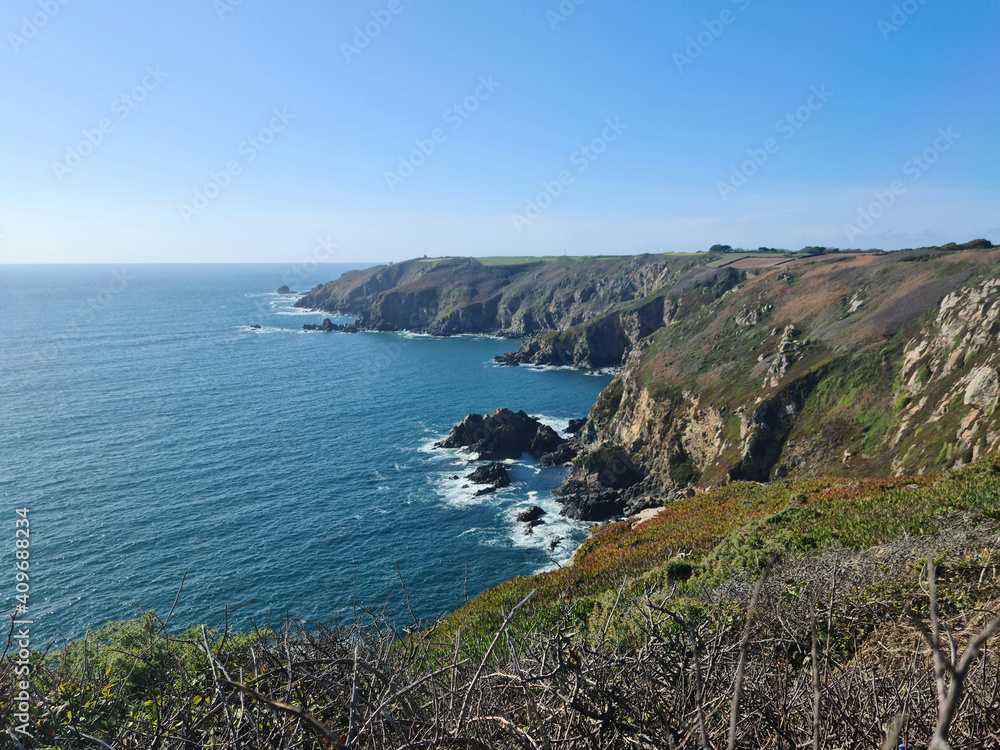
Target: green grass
column 735, row 529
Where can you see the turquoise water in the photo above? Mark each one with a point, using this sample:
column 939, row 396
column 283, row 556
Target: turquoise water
column 153, row 433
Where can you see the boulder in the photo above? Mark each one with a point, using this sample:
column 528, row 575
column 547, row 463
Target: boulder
column 283, row 290
column 531, row 514
column 575, row 425
column 494, row 474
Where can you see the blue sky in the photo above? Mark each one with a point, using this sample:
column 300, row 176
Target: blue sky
column 253, row 131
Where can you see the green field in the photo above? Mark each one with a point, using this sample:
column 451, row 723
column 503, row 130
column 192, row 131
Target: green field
column 728, row 258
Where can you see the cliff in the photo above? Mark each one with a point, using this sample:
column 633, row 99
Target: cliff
column 841, row 365
column 732, row 367
column 447, row 296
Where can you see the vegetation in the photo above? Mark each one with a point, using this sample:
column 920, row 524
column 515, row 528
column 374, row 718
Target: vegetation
column 816, row 610
column 832, row 603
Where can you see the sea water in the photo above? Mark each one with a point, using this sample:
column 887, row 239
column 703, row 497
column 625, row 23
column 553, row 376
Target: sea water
column 153, row 433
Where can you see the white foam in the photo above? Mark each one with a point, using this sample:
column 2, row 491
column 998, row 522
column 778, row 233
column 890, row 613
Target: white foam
column 266, row 329
column 563, row 532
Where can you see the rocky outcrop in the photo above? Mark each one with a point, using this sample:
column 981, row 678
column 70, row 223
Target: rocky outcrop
column 329, row 326
column 504, row 434
column 531, row 514
column 283, row 290
column 494, row 474
column 789, row 351
column 595, row 490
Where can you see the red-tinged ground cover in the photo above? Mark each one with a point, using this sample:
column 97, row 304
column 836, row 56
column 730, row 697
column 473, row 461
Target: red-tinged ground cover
column 702, row 540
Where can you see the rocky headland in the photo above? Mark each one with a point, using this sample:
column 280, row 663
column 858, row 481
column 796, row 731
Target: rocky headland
column 752, row 367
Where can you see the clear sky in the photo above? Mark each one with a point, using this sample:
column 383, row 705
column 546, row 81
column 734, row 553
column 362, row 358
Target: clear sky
column 258, row 131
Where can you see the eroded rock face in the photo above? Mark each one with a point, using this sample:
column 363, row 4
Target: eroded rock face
column 604, row 341
column 937, row 373
column 789, row 350
column 764, row 428
column 501, row 435
column 982, row 388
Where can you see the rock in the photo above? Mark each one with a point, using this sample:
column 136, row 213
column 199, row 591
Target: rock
column 531, row 514
column 502, row 434
column 454, row 476
column 546, row 440
column 485, row 491
column 561, row 455
column 283, row 290
column 789, row 351
column 529, row 530
column 256, row 326
column 575, row 425
column 554, row 543
column 494, row 474
column 982, row 388
column 596, row 489
column 328, row 326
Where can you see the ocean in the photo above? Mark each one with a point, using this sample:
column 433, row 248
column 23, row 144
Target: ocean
column 153, row 433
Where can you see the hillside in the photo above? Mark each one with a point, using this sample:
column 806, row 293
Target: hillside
column 445, row 296
column 733, row 366
column 809, row 611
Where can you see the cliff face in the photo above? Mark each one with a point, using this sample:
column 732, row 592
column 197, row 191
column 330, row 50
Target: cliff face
column 464, row 295
column 863, row 364
column 854, row 365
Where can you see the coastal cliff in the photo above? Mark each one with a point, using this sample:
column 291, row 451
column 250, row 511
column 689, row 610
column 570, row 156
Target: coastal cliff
column 731, row 367
column 447, row 296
